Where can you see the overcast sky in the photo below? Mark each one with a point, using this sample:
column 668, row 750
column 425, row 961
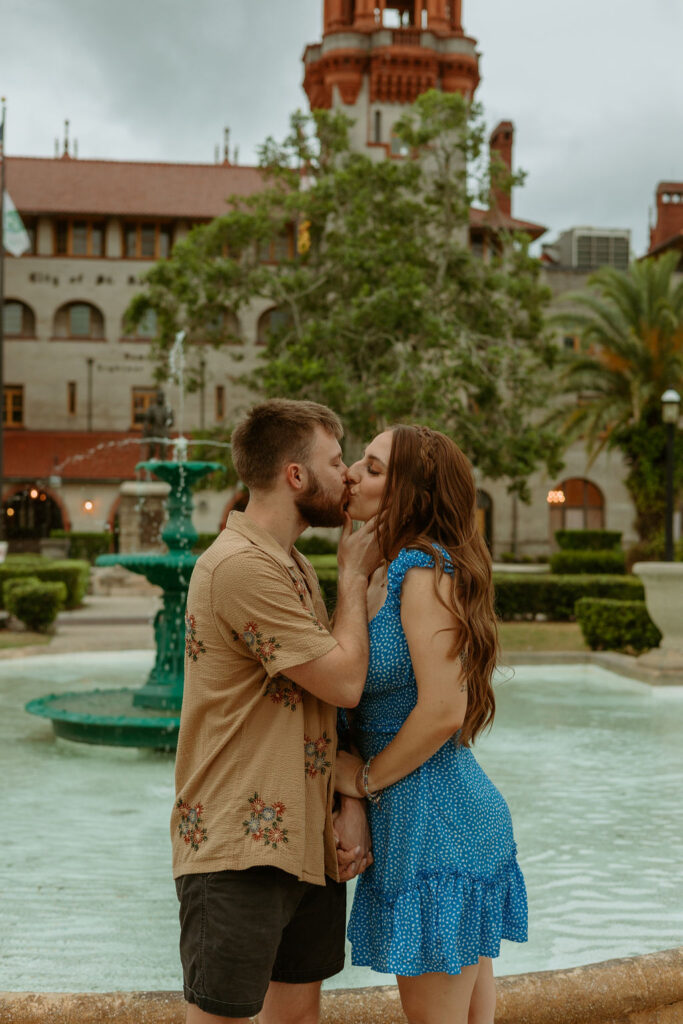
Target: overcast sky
column 594, row 87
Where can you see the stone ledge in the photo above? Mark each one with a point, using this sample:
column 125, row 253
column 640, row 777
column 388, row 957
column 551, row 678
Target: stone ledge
column 620, row 664
column 644, row 989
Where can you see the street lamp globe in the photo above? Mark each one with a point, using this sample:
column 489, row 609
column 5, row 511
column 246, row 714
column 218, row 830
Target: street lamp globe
column 671, row 406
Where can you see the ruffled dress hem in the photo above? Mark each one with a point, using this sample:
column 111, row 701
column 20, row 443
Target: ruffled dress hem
column 444, row 923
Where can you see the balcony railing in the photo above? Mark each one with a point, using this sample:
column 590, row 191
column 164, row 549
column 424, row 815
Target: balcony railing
column 406, row 36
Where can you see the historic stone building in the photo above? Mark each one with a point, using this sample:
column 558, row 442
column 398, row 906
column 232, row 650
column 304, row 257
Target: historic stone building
column 77, row 386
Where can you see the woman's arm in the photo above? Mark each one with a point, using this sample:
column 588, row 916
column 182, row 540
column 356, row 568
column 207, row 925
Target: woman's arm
column 441, row 688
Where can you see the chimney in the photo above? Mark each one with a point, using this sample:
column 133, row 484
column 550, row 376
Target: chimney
column 500, row 142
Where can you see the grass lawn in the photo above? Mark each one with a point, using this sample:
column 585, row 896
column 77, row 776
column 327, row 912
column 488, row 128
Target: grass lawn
column 322, row 561
column 10, row 638
column 541, row 636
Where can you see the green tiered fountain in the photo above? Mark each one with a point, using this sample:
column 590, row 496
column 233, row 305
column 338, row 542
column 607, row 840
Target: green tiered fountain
column 150, row 715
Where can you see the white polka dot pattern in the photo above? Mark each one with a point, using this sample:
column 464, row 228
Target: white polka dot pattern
column 445, row 886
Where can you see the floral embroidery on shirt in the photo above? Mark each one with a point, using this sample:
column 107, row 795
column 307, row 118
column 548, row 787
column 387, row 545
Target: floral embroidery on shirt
column 193, row 646
column 299, row 584
column 253, row 638
column 315, row 753
column 318, row 624
column 191, row 828
column 265, row 822
column 285, row 692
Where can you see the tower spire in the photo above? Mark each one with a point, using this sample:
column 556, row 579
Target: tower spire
column 377, row 56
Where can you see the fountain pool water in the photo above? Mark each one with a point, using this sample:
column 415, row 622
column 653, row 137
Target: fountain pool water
column 589, row 762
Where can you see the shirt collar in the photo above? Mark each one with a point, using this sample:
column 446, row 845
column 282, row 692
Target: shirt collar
column 259, row 536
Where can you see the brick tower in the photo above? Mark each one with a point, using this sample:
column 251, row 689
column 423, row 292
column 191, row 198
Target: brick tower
column 376, row 56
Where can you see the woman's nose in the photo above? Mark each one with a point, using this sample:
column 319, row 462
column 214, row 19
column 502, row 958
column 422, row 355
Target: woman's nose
column 352, row 473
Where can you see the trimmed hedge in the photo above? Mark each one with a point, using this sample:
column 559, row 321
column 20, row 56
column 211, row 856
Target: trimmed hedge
column 74, row 574
column 33, row 602
column 519, row 596
column 328, row 587
column 600, row 563
column 16, row 583
column 609, row 625
column 587, row 540
column 86, row 545
column 316, row 546
column 204, row 541
column 526, row 596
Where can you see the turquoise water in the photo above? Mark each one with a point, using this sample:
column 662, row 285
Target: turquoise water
column 591, row 765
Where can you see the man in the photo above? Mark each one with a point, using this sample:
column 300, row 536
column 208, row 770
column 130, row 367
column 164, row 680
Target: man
column 262, row 913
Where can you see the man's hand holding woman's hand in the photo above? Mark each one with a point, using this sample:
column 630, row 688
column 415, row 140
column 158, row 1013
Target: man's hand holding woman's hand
column 352, row 839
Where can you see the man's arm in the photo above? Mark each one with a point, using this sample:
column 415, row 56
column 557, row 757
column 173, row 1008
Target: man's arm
column 338, row 677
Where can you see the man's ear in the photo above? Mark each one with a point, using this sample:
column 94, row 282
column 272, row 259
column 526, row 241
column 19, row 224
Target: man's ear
column 295, row 475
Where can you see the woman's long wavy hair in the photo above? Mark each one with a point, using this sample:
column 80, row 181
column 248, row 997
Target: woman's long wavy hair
column 430, row 498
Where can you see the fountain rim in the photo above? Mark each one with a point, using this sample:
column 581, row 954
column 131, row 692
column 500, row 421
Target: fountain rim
column 41, row 706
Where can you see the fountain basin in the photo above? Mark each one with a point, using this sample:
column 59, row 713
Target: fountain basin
column 588, row 762
column 635, row 990
column 107, row 718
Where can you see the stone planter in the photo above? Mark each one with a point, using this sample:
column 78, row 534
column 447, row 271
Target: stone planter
column 55, row 547
column 142, row 514
column 663, row 582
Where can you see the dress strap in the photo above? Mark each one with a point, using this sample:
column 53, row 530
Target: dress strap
column 412, row 558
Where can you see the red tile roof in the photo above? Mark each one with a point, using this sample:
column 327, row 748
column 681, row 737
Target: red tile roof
column 65, row 185
column 38, row 185
column 495, row 220
column 31, row 455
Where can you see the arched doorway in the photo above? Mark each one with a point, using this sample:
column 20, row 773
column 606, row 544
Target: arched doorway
column 485, row 517
column 30, row 514
column 576, row 504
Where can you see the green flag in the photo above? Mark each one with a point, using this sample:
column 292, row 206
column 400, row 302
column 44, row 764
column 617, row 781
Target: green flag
column 15, row 236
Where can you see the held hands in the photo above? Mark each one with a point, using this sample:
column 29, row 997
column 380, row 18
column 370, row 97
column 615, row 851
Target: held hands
column 352, row 839
column 358, row 551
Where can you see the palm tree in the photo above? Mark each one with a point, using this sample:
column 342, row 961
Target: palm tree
column 631, row 329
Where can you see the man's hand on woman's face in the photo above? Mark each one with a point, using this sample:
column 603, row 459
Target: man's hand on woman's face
column 352, row 839
column 358, row 551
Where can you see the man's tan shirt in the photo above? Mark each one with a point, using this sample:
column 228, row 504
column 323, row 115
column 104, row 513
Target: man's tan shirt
column 255, row 761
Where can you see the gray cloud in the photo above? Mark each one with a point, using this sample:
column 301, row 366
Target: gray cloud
column 593, row 87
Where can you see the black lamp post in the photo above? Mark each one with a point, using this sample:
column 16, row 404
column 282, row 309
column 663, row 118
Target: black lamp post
column 671, row 407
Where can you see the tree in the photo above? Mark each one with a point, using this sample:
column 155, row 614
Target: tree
column 631, row 327
column 387, row 314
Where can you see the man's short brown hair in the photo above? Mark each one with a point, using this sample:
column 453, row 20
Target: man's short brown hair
column 276, row 432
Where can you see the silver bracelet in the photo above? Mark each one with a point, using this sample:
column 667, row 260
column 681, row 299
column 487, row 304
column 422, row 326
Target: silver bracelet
column 372, row 797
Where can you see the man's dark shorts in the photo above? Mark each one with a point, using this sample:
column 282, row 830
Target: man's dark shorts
column 241, row 929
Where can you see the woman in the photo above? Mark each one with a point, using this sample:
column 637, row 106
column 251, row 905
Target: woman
column 445, row 885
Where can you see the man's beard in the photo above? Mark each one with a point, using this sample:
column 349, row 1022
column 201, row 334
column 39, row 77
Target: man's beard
column 318, row 507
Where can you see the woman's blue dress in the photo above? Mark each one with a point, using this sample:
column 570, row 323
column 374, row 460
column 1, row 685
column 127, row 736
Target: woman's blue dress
column 445, row 886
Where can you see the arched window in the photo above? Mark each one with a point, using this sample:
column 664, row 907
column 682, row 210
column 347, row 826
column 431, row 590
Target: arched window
column 273, row 320
column 576, row 504
column 224, row 328
column 147, row 328
column 485, row 517
column 19, row 320
column 79, row 321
